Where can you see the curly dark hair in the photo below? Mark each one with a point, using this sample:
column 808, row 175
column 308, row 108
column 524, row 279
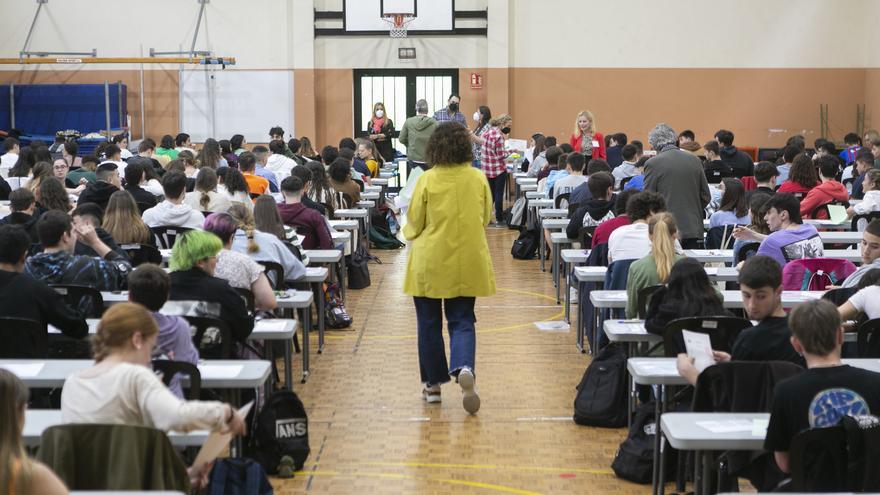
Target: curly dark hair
column 450, row 144
column 643, row 204
column 803, row 171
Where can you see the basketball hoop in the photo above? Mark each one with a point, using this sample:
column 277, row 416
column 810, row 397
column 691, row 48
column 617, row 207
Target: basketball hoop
column 398, row 23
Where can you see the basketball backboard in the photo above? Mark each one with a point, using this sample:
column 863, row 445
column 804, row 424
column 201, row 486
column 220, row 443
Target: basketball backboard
column 367, row 15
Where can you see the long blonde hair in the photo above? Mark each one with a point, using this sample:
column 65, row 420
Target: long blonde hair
column 662, row 230
column 123, row 220
column 13, row 400
column 118, row 325
column 245, row 220
column 589, row 115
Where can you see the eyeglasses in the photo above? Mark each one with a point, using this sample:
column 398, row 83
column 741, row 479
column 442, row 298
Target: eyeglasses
column 60, row 167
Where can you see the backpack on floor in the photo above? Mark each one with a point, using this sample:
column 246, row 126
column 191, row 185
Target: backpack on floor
column 238, row 477
column 335, row 315
column 634, row 460
column 601, row 395
column 526, row 245
column 358, row 271
column 281, row 429
column 382, row 238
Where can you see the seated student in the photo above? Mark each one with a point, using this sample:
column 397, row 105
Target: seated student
column 828, row 190
column 307, row 222
column 366, row 151
column 263, row 245
column 715, row 168
column 575, row 177
column 182, row 142
column 319, row 189
column 92, row 214
column 86, row 171
column 329, row 154
column 581, row 194
column 654, row 268
column 150, row 286
column 108, row 183
column 247, row 163
column 554, row 175
column 638, row 181
column 19, row 473
column 236, row 268
column 627, row 167
column 173, row 212
column 305, row 175
column 765, row 176
column 341, row 182
column 57, row 264
column 789, row 239
column 853, row 145
column 757, row 203
column 863, row 164
column 812, row 399
column 596, row 210
column 613, row 149
column 739, row 162
column 871, row 194
column 603, row 230
column 552, row 162
column 22, row 296
column 870, row 251
column 135, row 177
column 123, row 222
column 631, row 242
column 688, row 292
column 197, row 292
column 231, row 183
column 22, row 205
column 788, row 155
column 205, row 196
column 687, row 141
column 277, row 161
column 359, row 178
column 760, row 281
column 120, row 388
column 734, row 209
column 802, row 176
column 540, row 161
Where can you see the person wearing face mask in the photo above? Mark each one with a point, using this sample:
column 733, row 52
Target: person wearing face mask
column 493, row 160
column 585, row 138
column 450, row 112
column 481, row 125
column 380, row 129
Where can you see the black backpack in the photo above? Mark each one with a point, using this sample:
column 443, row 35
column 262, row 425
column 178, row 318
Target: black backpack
column 282, row 429
column 358, row 271
column 526, row 245
column 634, row 460
column 382, row 238
column 601, row 395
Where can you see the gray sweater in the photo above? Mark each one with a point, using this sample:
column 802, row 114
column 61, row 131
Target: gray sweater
column 678, row 176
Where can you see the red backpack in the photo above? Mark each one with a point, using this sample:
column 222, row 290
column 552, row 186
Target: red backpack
column 815, row 273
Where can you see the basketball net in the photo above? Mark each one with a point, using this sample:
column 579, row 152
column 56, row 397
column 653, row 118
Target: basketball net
column 398, row 23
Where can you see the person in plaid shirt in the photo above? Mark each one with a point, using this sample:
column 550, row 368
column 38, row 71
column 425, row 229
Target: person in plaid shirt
column 451, row 113
column 492, row 160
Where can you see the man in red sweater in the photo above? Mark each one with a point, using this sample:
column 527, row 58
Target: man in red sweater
column 306, row 221
column 827, row 191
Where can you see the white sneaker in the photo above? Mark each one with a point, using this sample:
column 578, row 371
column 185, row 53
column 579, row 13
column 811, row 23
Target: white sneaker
column 573, row 295
column 470, row 400
column 431, row 394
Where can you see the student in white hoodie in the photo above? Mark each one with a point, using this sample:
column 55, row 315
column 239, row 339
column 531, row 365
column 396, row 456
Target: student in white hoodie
column 173, row 212
column 276, row 161
column 871, row 188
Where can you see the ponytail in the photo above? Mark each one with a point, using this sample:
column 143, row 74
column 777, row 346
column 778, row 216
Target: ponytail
column 662, row 230
column 205, row 200
column 245, row 220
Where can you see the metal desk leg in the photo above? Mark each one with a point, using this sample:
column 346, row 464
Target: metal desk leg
column 288, row 364
column 598, row 314
column 580, row 320
column 564, row 282
column 656, row 476
column 319, row 305
column 554, row 270
column 341, row 265
column 307, row 326
column 631, row 388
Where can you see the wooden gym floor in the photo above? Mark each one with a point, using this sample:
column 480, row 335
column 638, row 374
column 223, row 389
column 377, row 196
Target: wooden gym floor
column 370, row 431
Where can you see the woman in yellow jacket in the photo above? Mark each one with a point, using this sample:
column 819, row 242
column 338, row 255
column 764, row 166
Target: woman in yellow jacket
column 449, row 264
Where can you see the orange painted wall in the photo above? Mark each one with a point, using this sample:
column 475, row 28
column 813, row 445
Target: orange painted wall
column 872, row 99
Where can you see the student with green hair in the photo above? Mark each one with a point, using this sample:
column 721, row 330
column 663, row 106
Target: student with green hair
column 195, row 291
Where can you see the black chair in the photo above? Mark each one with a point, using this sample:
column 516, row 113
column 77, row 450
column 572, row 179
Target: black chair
column 166, row 236
column 23, row 339
column 868, row 340
column 642, row 299
column 866, row 217
column 248, row 297
column 623, row 182
column 572, row 207
column 212, row 337
column 562, row 197
column 169, row 369
column 142, row 253
column 87, row 300
column 585, row 235
column 720, row 237
column 747, row 251
column 142, row 207
column 275, row 273
column 722, row 331
column 818, row 460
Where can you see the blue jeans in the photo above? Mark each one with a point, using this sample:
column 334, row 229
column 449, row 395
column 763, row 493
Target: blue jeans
column 460, row 319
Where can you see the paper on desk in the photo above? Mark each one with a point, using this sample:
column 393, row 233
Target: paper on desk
column 216, row 441
column 28, row 370
column 552, row 326
column 219, row 372
column 633, row 328
column 269, row 325
column 727, row 425
column 699, row 347
column 837, row 213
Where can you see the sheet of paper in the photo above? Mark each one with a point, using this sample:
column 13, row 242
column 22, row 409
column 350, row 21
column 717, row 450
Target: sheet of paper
column 666, row 368
column 516, row 144
column 727, row 425
column 699, row 347
column 552, row 326
column 837, row 213
column 28, row 370
column 218, row 372
column 269, row 325
column 216, row 442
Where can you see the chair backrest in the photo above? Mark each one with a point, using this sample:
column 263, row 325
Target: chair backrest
column 170, row 369
column 572, row 207
column 859, row 222
column 142, row 207
column 740, row 386
column 275, row 273
column 212, row 337
column 868, row 343
column 293, row 248
column 248, row 297
column 165, row 236
column 642, row 299
column 142, row 253
column 818, row 460
column 623, row 182
column 722, row 331
column 87, row 300
column 615, row 277
column 23, row 339
column 113, row 457
column 585, row 236
column 815, row 273
column 747, row 251
column 720, row 237
column 562, row 197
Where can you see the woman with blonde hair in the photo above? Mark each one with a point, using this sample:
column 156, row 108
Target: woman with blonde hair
column 123, row 221
column 205, row 197
column 40, row 172
column 19, row 474
column 586, row 138
column 120, row 388
column 262, row 245
column 654, row 268
column 493, row 161
column 306, row 150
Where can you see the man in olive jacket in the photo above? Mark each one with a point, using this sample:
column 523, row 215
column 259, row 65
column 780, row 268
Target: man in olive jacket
column 678, row 176
column 414, row 135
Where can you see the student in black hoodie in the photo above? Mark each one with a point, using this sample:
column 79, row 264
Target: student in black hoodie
column 715, row 169
column 107, row 184
column 741, row 163
column 134, row 177
column 23, row 205
column 597, row 209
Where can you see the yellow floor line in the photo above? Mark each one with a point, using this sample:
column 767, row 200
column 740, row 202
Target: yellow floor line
column 473, row 484
column 493, row 467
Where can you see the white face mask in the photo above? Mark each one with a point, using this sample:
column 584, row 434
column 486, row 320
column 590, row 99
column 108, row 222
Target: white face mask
column 477, row 116
column 380, row 113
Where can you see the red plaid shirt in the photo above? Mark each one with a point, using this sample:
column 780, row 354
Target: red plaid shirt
column 493, row 154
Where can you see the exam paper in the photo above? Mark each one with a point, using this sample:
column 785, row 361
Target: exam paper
column 216, row 441
column 268, row 325
column 218, row 372
column 552, row 326
column 28, row 370
column 699, row 347
column 837, row 213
